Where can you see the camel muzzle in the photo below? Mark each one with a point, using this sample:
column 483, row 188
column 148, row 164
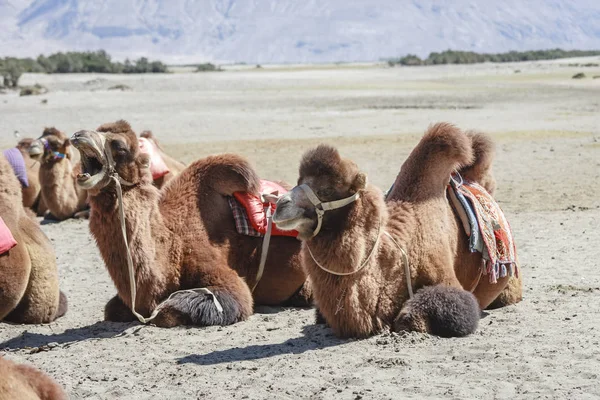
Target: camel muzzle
column 94, row 163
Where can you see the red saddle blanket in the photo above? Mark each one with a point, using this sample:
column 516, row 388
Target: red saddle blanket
column 7, row 241
column 249, row 211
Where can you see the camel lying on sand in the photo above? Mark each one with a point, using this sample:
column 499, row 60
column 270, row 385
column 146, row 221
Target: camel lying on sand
column 175, row 167
column 22, row 382
column 28, row 275
column 358, row 249
column 32, row 195
column 58, row 173
column 181, row 237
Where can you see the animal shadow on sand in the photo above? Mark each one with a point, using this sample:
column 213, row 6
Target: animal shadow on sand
column 315, row 337
column 97, row 331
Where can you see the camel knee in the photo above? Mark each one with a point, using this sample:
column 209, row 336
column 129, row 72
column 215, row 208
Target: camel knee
column 440, row 310
column 302, row 298
column 512, row 293
column 116, row 311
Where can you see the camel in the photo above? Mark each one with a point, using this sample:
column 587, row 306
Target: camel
column 28, row 275
column 32, row 195
column 57, row 176
column 181, row 237
column 175, row 167
column 364, row 256
column 19, row 381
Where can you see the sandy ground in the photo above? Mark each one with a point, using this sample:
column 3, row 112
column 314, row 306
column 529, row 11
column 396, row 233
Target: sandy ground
column 547, row 127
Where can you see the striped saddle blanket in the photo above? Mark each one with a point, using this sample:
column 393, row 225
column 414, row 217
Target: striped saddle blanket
column 486, row 226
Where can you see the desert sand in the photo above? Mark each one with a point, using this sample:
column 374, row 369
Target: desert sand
column 547, row 129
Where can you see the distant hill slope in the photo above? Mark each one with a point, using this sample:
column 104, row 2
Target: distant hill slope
column 274, row 31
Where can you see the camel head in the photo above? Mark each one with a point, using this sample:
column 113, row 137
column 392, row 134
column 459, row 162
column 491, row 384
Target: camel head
column 53, row 145
column 25, row 147
column 112, row 148
column 327, row 187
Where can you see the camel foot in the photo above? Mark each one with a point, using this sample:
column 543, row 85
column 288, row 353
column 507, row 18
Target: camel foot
column 200, row 309
column 85, row 214
column 512, row 293
column 319, row 318
column 302, row 297
column 116, row 311
column 440, row 310
column 63, row 304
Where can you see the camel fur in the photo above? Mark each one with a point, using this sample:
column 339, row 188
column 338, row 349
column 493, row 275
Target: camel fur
column 420, row 220
column 175, row 167
column 32, row 195
column 23, row 382
column 57, row 176
column 181, row 237
column 28, row 275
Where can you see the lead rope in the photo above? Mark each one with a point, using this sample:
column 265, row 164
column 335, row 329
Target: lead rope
column 132, row 284
column 265, row 245
column 406, row 265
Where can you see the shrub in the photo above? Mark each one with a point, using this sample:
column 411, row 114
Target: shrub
column 579, row 75
column 207, row 67
column 34, row 90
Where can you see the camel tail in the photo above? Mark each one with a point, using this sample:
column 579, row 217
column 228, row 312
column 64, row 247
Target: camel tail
column 227, row 173
column 480, row 170
column 440, row 310
column 443, row 149
column 63, row 304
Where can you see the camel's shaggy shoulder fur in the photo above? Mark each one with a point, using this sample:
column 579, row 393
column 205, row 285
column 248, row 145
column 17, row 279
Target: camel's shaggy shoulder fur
column 28, row 275
column 183, row 237
column 419, row 219
column 22, row 382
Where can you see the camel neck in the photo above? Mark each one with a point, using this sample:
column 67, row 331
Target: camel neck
column 362, row 225
column 58, row 188
column 149, row 240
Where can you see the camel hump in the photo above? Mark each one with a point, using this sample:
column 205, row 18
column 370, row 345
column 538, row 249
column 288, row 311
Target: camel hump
column 480, row 170
column 426, row 172
column 227, row 174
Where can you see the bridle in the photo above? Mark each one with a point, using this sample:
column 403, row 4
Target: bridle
column 57, row 154
column 322, row 207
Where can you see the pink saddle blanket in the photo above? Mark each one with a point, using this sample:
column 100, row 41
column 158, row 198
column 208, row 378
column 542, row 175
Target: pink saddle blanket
column 158, row 168
column 249, row 211
column 7, row 241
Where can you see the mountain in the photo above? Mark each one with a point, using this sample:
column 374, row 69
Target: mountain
column 278, row 31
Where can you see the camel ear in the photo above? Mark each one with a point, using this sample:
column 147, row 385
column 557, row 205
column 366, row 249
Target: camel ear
column 360, row 181
column 144, row 160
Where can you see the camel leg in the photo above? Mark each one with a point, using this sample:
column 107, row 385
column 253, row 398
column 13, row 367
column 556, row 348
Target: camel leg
column 319, row 318
column 116, row 311
column 302, row 297
column 440, row 310
column 200, row 309
column 512, row 293
column 487, row 292
column 15, row 267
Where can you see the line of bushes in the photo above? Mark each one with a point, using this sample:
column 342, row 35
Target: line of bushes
column 469, row 57
column 99, row 61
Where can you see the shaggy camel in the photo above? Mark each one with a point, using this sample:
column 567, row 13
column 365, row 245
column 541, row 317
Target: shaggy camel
column 175, row 167
column 58, row 173
column 181, row 237
column 23, row 382
column 32, row 195
column 357, row 250
column 28, row 276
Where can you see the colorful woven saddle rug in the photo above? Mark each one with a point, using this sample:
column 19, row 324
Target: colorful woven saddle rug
column 17, row 162
column 486, row 226
column 252, row 213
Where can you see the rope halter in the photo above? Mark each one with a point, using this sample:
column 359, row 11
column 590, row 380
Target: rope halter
column 57, row 154
column 321, row 207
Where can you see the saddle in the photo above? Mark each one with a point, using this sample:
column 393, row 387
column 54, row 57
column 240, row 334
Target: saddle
column 158, row 168
column 17, row 162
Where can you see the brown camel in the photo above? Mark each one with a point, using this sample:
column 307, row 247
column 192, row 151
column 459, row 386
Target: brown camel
column 175, row 167
column 58, row 173
column 32, row 195
column 28, row 275
column 22, row 382
column 181, row 237
column 357, row 261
